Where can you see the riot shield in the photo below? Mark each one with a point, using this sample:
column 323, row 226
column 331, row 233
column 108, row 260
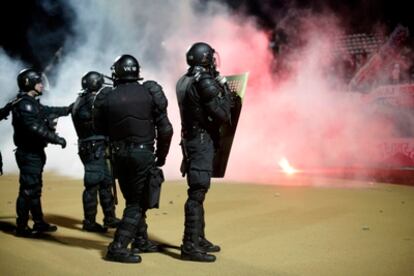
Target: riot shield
column 237, row 84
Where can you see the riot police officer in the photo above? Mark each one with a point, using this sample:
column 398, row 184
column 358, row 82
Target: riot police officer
column 204, row 106
column 33, row 130
column 133, row 116
column 92, row 147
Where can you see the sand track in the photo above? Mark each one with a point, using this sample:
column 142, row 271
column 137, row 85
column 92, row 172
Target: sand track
column 334, row 227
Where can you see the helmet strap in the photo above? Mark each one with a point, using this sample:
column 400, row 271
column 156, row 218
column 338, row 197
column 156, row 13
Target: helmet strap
column 38, row 93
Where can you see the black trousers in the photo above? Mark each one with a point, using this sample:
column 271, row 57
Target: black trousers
column 97, row 180
column 30, row 163
column 200, row 154
column 132, row 165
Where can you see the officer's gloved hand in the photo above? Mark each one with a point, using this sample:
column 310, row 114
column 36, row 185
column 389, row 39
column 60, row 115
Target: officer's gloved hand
column 160, row 162
column 61, row 141
column 235, row 99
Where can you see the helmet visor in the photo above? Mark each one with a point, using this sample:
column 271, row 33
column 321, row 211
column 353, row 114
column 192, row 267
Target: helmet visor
column 45, row 81
column 216, row 60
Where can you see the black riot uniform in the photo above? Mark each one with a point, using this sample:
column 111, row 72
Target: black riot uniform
column 33, row 130
column 97, row 177
column 133, row 116
column 204, row 106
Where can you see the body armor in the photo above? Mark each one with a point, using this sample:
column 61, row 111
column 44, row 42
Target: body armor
column 131, row 114
column 82, row 115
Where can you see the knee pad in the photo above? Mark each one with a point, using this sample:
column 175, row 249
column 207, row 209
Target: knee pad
column 31, row 193
column 93, row 175
column 29, row 180
column 199, row 178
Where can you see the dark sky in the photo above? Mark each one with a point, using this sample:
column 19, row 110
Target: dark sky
column 34, row 33
column 35, row 29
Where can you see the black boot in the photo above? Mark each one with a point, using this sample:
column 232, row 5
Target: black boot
column 144, row 245
column 22, row 210
column 24, row 231
column 93, row 227
column 141, row 243
column 111, row 222
column 118, row 252
column 40, row 226
column 106, row 199
column 43, row 227
column 208, row 246
column 205, row 244
column 122, row 255
column 192, row 252
column 118, row 249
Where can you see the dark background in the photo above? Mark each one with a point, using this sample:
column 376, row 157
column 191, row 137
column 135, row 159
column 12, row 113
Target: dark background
column 34, row 30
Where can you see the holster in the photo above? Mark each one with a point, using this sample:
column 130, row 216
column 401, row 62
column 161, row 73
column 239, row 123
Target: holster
column 153, row 188
column 92, row 147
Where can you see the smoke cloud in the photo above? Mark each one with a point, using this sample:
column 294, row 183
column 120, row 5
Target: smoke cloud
column 295, row 114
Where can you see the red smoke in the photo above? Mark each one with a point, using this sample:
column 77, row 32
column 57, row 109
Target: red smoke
column 299, row 116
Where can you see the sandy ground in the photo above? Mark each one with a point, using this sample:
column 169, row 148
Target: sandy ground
column 334, row 227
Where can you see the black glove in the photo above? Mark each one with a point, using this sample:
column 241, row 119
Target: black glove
column 61, row 141
column 160, row 162
column 235, row 99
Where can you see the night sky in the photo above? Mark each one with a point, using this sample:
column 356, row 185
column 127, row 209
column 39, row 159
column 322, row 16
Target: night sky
column 34, row 33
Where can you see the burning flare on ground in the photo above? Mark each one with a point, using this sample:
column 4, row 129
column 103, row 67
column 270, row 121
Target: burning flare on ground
column 286, row 167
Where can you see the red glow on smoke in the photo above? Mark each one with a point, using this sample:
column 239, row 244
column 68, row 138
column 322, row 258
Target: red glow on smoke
column 296, row 113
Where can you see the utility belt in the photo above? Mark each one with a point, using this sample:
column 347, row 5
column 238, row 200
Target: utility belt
column 129, row 145
column 92, row 145
column 192, row 132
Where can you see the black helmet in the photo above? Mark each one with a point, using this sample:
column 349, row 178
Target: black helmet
column 92, row 81
column 126, row 67
column 28, row 78
column 200, row 54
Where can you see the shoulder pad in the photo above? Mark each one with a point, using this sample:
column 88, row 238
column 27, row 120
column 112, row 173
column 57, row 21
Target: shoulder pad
column 152, row 86
column 208, row 87
column 103, row 92
column 157, row 94
column 27, row 105
column 100, row 97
